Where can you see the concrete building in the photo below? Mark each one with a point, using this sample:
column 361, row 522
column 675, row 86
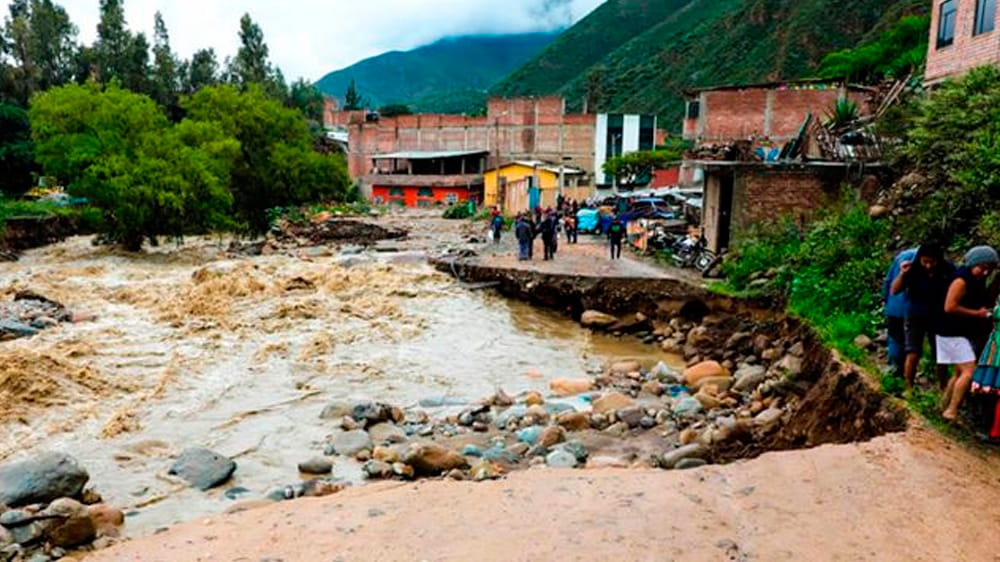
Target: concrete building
column 426, row 179
column 617, row 135
column 963, row 36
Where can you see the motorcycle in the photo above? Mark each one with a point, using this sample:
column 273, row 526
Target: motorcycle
column 686, row 250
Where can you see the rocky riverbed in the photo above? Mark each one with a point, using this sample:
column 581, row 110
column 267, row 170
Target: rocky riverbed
column 215, row 379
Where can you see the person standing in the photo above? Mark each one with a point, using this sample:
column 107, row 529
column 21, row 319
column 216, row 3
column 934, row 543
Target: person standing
column 965, row 323
column 569, row 223
column 497, row 227
column 616, row 235
column 525, row 235
column 550, row 232
column 895, row 311
column 924, row 282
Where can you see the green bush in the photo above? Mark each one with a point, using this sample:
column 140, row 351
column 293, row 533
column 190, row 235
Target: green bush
column 460, row 211
column 830, row 271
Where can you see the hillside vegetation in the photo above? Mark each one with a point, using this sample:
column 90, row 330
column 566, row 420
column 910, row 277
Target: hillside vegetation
column 451, row 75
column 675, row 45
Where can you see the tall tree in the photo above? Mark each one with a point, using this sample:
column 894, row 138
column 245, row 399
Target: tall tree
column 17, row 159
column 135, row 75
column 307, row 98
column 251, row 65
column 352, row 99
column 202, row 71
column 41, row 47
column 166, row 84
column 114, row 42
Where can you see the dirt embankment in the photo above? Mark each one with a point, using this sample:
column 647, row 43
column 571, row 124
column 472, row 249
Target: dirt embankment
column 831, row 401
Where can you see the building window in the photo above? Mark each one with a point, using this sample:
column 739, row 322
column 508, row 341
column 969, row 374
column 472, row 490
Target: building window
column 946, row 24
column 425, row 192
column 986, row 16
column 396, row 192
column 451, row 198
column 694, row 109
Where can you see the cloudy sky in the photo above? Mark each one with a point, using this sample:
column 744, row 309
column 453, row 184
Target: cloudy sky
column 312, row 37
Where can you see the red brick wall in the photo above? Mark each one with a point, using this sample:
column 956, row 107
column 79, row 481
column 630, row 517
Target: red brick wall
column 411, row 197
column 968, row 50
column 762, row 195
column 762, row 112
column 514, row 129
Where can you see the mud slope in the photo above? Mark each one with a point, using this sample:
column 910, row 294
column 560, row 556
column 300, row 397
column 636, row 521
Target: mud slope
column 910, row 496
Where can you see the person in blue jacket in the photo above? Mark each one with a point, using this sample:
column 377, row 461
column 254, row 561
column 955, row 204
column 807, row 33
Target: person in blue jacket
column 895, row 311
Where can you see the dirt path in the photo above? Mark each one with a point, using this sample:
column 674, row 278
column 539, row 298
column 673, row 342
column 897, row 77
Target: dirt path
column 908, row 496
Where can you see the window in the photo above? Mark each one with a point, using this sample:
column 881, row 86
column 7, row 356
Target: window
column 986, row 16
column 693, row 109
column 425, row 192
column 451, row 198
column 396, row 192
column 946, row 24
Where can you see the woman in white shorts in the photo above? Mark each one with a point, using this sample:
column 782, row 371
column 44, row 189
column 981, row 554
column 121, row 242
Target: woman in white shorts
column 966, row 320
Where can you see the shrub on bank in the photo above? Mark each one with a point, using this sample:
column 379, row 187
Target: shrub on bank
column 829, row 271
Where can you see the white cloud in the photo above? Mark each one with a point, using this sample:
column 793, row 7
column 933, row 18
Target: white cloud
column 310, row 38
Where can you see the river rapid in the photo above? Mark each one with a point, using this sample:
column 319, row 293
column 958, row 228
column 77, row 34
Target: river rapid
column 190, row 346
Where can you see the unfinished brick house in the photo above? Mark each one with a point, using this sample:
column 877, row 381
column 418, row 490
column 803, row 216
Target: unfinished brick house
column 512, row 129
column 963, row 36
column 742, row 135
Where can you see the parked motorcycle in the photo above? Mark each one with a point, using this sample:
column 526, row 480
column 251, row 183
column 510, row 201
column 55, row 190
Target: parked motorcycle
column 686, row 250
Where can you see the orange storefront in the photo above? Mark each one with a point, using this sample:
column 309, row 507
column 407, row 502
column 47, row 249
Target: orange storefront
column 417, row 196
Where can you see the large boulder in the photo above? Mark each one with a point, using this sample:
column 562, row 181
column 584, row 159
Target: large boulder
column 749, row 377
column 203, row 469
column 611, row 402
column 569, row 387
column 596, row 319
column 704, row 370
column 350, row 443
column 69, row 523
column 45, row 478
column 432, row 459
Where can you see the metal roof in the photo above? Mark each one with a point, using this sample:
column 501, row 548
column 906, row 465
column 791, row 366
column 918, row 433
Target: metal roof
column 541, row 165
column 417, row 155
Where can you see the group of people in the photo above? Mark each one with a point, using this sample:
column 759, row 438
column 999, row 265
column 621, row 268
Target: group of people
column 547, row 225
column 928, row 299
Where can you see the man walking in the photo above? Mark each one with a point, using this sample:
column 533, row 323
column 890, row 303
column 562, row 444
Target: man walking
column 525, row 235
column 616, row 234
column 550, row 234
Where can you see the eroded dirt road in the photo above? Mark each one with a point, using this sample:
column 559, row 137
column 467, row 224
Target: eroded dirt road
column 910, row 496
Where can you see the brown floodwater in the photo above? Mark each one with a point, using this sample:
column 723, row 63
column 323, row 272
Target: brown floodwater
column 190, row 347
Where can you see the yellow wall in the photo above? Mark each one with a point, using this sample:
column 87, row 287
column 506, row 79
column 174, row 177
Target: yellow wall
column 513, row 173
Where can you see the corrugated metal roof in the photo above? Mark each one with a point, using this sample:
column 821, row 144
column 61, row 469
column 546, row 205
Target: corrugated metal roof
column 417, row 155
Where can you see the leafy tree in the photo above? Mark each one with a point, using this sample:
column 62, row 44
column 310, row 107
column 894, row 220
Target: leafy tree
column 896, row 53
column 17, row 161
column 953, row 141
column 166, row 70
column 307, row 98
column 117, row 149
column 114, row 42
column 634, row 167
column 41, row 44
column 251, row 65
column 277, row 166
column 136, row 71
column 353, row 101
column 202, row 71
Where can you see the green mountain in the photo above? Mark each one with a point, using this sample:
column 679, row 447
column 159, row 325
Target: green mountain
column 450, row 75
column 672, row 45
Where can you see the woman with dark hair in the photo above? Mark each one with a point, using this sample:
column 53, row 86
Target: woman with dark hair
column 925, row 280
column 966, row 323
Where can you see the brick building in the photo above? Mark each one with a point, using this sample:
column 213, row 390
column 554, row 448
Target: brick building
column 766, row 112
column 512, row 129
column 424, row 179
column 963, row 35
column 739, row 194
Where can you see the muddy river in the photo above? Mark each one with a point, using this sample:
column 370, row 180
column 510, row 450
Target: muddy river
column 191, row 347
